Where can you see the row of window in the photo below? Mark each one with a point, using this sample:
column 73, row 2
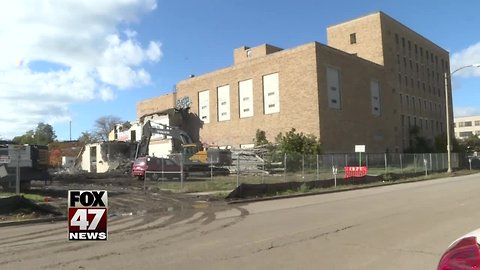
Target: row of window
column 466, row 134
column 432, row 90
column 417, row 52
column 422, row 73
column 271, row 99
column 411, row 103
column 467, row 123
column 422, row 123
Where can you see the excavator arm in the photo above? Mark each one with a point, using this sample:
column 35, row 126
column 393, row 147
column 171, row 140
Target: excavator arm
column 151, row 128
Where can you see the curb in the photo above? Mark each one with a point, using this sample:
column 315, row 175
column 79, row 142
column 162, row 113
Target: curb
column 32, row 221
column 250, row 200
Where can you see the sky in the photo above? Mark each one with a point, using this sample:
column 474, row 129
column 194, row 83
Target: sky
column 69, row 62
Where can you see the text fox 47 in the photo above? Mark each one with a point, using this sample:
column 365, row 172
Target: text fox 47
column 87, row 214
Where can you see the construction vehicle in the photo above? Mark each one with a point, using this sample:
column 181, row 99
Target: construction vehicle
column 194, row 158
column 31, row 161
column 193, row 153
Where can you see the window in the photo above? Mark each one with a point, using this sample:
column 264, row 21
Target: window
column 396, row 39
column 271, row 94
column 461, row 124
column 333, row 82
column 353, row 38
column 249, row 53
column 245, row 93
column 223, row 94
column 203, row 104
column 468, row 123
column 465, row 134
column 477, row 123
column 375, row 94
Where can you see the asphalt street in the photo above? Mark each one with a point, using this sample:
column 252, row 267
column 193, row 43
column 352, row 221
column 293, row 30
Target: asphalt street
column 405, row 226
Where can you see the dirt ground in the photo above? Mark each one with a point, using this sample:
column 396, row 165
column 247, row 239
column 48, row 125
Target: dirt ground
column 126, row 197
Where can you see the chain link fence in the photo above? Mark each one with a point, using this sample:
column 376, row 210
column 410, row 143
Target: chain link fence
column 253, row 168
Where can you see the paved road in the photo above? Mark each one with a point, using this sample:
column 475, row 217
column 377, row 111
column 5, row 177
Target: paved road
column 396, row 227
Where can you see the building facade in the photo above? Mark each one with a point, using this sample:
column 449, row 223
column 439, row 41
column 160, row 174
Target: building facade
column 374, row 81
column 467, row 126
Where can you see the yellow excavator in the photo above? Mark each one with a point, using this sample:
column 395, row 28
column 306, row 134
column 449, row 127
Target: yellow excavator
column 193, row 153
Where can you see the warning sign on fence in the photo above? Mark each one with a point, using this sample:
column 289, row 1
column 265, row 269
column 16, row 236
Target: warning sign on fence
column 355, row 171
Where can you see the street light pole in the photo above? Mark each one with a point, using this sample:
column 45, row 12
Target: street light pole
column 447, row 113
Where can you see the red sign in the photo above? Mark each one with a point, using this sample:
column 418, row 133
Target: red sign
column 355, row 171
column 87, row 215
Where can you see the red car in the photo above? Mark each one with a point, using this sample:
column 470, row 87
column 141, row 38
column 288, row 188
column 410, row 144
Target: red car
column 464, row 253
column 156, row 168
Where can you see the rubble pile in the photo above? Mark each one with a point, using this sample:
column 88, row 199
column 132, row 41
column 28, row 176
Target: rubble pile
column 248, row 162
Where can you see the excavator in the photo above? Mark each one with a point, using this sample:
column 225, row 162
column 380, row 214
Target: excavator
column 193, row 153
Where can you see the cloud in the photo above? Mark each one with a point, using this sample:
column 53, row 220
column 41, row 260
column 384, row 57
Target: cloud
column 465, row 111
column 468, row 56
column 56, row 53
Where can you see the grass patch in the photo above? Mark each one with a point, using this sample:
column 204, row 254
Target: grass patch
column 224, row 184
column 32, row 197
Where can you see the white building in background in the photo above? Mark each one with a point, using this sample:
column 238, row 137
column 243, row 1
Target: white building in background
column 467, row 126
column 160, row 145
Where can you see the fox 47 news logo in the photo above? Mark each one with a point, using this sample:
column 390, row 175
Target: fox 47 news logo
column 87, row 214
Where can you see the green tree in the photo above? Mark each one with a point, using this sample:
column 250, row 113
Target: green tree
column 27, row 138
column 43, row 134
column 293, row 142
column 418, row 143
column 260, row 138
column 441, row 144
column 470, row 144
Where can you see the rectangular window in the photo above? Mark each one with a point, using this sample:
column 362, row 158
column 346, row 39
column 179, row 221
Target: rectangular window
column 271, row 85
column 375, row 94
column 204, row 106
column 353, row 38
column 245, row 93
column 466, row 134
column 223, row 94
column 333, row 82
column 477, row 123
column 468, row 123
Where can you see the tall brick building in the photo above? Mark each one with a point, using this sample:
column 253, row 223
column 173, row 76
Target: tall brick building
column 374, row 81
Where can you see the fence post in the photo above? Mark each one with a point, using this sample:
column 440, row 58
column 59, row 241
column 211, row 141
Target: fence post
column 285, row 167
column 263, row 169
column 211, row 169
column 425, row 164
column 401, row 164
column 303, row 167
column 318, row 168
column 415, row 162
column 386, row 163
column 431, row 165
column 181, row 170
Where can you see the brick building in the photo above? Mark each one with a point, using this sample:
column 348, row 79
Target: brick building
column 374, row 81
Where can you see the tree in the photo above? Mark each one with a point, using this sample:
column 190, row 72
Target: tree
column 293, row 142
column 43, row 134
column 470, row 144
column 86, row 137
column 104, row 125
column 260, row 138
column 441, row 144
column 418, row 143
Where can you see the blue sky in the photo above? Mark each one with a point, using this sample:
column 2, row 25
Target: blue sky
column 75, row 61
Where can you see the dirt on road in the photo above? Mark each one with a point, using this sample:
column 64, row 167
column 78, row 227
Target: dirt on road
column 126, row 197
